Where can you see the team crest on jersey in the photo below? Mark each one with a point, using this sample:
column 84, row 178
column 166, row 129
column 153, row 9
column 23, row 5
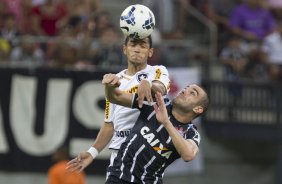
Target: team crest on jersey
column 142, row 76
column 181, row 131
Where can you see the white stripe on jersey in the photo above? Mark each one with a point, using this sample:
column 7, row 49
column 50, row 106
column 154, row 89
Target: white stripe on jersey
column 168, row 140
column 157, row 178
column 134, row 161
column 160, row 127
column 124, row 118
column 151, row 115
column 145, row 168
column 122, row 166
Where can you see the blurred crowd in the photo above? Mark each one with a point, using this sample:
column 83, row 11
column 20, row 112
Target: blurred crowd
column 81, row 33
column 58, row 33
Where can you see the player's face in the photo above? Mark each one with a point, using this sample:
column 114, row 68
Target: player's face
column 188, row 98
column 138, row 51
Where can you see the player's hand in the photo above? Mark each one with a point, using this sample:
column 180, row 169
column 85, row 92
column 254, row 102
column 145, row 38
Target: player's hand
column 160, row 109
column 80, row 162
column 111, row 80
column 144, row 91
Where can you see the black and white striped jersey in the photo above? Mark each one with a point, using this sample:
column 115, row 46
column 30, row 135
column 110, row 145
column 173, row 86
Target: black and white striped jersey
column 148, row 150
column 123, row 118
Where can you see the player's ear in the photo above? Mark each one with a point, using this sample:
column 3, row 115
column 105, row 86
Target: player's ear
column 124, row 49
column 151, row 52
column 198, row 109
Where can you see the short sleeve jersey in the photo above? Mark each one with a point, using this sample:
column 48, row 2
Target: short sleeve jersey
column 124, row 118
column 149, row 149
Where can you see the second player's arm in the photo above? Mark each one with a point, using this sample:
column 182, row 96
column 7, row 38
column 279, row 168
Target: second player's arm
column 104, row 136
column 187, row 149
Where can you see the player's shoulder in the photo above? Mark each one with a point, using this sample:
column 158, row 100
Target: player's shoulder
column 119, row 74
column 159, row 66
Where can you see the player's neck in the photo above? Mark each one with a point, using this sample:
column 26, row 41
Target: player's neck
column 181, row 116
column 134, row 68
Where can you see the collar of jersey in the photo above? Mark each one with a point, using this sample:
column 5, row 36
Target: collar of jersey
column 127, row 77
column 175, row 122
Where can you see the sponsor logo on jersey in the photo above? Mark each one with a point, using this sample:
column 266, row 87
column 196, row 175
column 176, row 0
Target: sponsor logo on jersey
column 132, row 90
column 155, row 142
column 123, row 133
column 141, row 76
column 181, row 131
column 107, row 109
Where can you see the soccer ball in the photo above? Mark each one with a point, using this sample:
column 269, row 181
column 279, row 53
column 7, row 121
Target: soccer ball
column 137, row 21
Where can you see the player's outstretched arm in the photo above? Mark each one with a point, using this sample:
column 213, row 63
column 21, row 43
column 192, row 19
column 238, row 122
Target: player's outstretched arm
column 113, row 93
column 85, row 158
column 187, row 149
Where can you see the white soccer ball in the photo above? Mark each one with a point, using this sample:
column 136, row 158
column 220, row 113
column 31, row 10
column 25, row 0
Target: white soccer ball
column 137, row 21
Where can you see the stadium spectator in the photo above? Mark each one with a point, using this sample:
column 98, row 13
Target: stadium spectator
column 84, row 8
column 234, row 60
column 272, row 47
column 9, row 31
column 27, row 51
column 107, row 50
column 163, row 133
column 219, row 11
column 49, row 18
column 14, row 8
column 65, row 54
column 276, row 8
column 251, row 21
column 3, row 12
column 120, row 120
column 5, row 49
column 57, row 173
column 103, row 20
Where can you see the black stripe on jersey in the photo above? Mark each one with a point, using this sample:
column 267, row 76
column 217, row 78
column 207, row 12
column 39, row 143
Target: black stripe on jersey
column 134, row 161
column 125, row 151
column 146, row 166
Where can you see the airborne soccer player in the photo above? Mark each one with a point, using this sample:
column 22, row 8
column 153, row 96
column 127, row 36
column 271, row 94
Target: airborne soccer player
column 139, row 78
column 162, row 133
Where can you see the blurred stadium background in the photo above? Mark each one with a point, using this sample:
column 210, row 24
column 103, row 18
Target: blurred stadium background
column 50, row 91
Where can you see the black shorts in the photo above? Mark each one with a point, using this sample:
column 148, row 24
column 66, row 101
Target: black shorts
column 115, row 180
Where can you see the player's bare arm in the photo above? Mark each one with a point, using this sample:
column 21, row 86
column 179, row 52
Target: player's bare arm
column 84, row 159
column 187, row 149
column 104, row 136
column 113, row 93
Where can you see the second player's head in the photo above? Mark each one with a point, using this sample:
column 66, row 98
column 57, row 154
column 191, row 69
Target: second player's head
column 192, row 100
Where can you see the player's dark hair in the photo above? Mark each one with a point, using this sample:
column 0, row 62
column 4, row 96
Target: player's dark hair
column 149, row 37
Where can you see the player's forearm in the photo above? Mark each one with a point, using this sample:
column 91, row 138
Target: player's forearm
column 104, row 136
column 116, row 96
column 113, row 94
column 186, row 149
